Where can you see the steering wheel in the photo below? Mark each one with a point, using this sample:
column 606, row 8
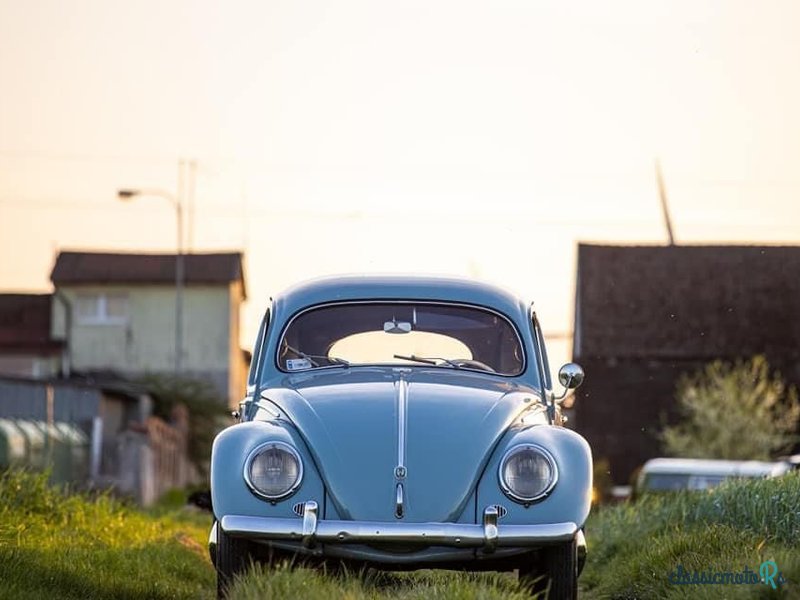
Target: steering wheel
column 472, row 364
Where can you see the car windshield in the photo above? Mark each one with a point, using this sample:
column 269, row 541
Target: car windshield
column 666, row 481
column 682, row 481
column 412, row 334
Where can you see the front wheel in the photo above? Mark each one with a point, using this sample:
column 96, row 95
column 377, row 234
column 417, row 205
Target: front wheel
column 233, row 556
column 558, row 573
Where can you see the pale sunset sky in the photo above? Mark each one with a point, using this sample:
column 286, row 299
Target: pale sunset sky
column 482, row 139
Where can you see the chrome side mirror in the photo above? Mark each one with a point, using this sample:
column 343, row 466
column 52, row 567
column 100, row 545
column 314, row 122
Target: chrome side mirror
column 570, row 376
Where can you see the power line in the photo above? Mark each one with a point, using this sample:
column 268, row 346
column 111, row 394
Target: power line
column 213, row 166
column 67, row 157
column 53, row 203
column 245, row 211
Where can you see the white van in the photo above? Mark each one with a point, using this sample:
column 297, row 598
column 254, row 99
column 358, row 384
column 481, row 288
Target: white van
column 669, row 474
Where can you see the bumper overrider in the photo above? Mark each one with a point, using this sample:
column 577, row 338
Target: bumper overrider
column 312, row 530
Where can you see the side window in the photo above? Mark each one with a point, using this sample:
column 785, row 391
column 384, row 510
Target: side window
column 548, row 382
column 102, row 309
column 257, row 352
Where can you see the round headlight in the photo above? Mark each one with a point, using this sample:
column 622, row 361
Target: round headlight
column 273, row 470
column 527, row 473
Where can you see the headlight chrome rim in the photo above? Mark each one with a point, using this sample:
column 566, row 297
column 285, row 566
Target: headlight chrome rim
column 547, row 490
column 258, row 450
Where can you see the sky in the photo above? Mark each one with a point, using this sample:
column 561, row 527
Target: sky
column 469, row 138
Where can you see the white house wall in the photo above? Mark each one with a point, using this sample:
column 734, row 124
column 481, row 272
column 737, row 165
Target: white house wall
column 146, row 341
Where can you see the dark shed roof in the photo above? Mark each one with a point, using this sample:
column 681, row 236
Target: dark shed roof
column 25, row 323
column 687, row 301
column 103, row 267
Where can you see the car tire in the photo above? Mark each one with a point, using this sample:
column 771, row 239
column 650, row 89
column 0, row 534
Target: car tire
column 557, row 572
column 233, row 558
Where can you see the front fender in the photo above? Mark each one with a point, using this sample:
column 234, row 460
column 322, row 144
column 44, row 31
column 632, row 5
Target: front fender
column 230, row 495
column 570, row 499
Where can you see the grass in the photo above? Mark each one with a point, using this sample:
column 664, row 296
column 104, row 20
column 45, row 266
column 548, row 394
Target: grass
column 309, row 584
column 634, row 547
column 76, row 547
column 54, row 545
column 632, row 550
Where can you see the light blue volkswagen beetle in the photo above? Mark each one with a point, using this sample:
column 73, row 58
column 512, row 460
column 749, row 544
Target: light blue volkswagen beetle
column 402, row 423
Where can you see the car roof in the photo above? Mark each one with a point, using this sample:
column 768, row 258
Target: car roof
column 398, row 287
column 704, row 466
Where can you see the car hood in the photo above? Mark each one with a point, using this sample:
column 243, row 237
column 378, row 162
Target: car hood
column 352, row 419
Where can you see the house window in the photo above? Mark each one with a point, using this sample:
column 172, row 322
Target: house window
column 102, row 309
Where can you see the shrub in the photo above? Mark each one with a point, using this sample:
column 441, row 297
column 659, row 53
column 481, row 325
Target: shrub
column 735, row 411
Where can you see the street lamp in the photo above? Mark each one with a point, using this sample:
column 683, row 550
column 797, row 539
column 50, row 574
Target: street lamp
column 130, row 194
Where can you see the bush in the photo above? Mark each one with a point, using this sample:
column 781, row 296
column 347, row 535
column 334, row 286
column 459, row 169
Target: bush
column 735, row 411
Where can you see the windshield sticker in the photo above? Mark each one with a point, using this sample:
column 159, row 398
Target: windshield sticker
column 298, row 364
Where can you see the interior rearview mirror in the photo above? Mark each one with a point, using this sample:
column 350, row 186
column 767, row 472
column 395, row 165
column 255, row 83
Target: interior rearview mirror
column 397, row 327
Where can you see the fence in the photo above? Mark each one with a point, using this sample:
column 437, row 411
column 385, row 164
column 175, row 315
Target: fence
column 90, row 439
column 150, row 458
column 49, row 402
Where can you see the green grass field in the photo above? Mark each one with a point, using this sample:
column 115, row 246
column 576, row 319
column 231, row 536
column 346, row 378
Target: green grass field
column 72, row 547
column 75, row 547
column 311, row 584
column 634, row 547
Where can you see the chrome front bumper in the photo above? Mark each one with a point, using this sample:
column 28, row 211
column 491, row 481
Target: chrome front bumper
column 311, row 530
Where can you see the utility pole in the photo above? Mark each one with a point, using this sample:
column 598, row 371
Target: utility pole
column 180, row 270
column 190, row 205
column 176, row 200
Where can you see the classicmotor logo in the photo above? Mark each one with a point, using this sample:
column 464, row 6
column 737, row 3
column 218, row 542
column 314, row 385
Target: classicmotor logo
column 767, row 573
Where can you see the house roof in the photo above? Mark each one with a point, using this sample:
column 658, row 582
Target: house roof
column 25, row 323
column 74, row 268
column 111, row 382
column 687, row 301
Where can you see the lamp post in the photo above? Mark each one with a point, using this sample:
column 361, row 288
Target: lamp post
column 130, row 194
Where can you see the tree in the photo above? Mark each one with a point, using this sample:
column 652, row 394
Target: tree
column 739, row 411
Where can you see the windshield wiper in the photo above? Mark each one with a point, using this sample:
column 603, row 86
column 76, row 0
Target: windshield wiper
column 335, row 359
column 311, row 357
column 428, row 360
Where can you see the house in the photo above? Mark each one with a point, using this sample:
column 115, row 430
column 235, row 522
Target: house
column 119, row 315
column 26, row 348
column 644, row 315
